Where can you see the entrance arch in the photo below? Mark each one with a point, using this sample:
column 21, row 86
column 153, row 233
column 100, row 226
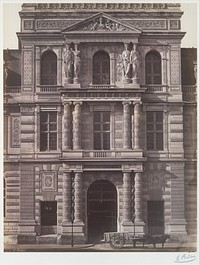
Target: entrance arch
column 101, row 209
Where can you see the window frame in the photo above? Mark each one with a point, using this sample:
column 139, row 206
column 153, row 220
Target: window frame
column 153, row 58
column 103, row 58
column 102, row 131
column 46, row 71
column 48, row 132
column 154, row 123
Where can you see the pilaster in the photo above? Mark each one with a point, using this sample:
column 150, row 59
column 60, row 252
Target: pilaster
column 77, row 126
column 126, row 125
column 67, row 126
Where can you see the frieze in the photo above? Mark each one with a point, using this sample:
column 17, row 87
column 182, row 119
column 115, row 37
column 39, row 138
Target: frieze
column 54, row 24
column 99, row 6
column 149, row 24
column 27, row 109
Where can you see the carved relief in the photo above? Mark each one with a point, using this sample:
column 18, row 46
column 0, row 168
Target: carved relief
column 28, row 24
column 28, row 58
column 174, row 24
column 175, row 67
column 49, row 181
column 104, row 24
column 149, row 24
column 53, row 24
column 15, row 131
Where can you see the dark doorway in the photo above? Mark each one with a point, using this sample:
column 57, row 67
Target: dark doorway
column 101, row 68
column 48, row 217
column 156, row 217
column 102, row 209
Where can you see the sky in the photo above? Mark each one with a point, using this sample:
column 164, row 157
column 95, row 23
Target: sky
column 11, row 23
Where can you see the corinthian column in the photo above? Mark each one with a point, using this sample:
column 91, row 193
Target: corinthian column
column 138, row 197
column 67, row 126
column 66, row 197
column 77, row 126
column 126, row 125
column 78, row 197
column 137, row 121
column 127, row 197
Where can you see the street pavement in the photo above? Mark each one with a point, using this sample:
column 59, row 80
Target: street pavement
column 102, row 247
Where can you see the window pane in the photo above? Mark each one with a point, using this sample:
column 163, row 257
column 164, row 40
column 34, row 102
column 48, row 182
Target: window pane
column 43, row 142
column 106, row 141
column 150, row 116
column 43, row 117
column 53, row 117
column 150, row 141
column 159, row 116
column 106, row 127
column 97, row 116
column 159, row 141
column 97, row 127
column 53, row 127
column 150, row 127
column 159, row 127
column 106, row 116
column 97, row 141
column 43, row 127
column 52, row 141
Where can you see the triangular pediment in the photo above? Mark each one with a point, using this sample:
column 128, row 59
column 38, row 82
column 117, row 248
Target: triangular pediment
column 101, row 22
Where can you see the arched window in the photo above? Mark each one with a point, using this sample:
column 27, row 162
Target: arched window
column 101, row 68
column 49, row 68
column 153, row 68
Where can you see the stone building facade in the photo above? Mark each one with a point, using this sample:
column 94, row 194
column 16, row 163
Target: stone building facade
column 99, row 130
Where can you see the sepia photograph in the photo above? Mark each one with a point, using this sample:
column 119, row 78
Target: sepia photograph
column 100, row 132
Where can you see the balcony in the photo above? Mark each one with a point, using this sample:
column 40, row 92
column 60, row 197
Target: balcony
column 157, row 89
column 48, row 89
column 13, row 90
column 189, row 92
column 102, row 155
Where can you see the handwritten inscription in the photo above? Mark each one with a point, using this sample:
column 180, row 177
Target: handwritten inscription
column 184, row 258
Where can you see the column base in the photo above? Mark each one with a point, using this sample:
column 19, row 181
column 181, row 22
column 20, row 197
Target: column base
column 78, row 233
column 177, row 230
column 129, row 227
column 27, row 234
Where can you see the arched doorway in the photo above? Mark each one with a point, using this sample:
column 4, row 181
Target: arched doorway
column 101, row 209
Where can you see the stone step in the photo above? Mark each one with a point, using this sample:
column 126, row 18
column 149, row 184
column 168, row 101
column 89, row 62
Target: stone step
column 47, row 239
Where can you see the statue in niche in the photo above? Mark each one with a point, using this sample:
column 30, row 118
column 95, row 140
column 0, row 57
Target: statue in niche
column 135, row 62
column 126, row 60
column 68, row 60
column 77, row 62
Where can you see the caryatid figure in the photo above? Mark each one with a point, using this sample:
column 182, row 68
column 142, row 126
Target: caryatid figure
column 68, row 60
column 77, row 62
column 135, row 61
column 126, row 60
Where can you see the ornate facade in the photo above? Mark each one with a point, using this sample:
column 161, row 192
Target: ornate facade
column 99, row 130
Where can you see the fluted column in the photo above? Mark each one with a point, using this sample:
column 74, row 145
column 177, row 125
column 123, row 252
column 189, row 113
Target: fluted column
column 127, row 196
column 67, row 126
column 66, row 197
column 78, row 197
column 137, row 121
column 77, row 126
column 126, row 126
column 138, row 197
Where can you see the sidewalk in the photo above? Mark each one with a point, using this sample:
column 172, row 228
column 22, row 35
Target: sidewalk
column 104, row 247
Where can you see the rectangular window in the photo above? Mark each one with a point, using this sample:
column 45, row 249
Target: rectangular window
column 48, row 213
column 101, row 122
column 154, row 130
column 48, row 130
